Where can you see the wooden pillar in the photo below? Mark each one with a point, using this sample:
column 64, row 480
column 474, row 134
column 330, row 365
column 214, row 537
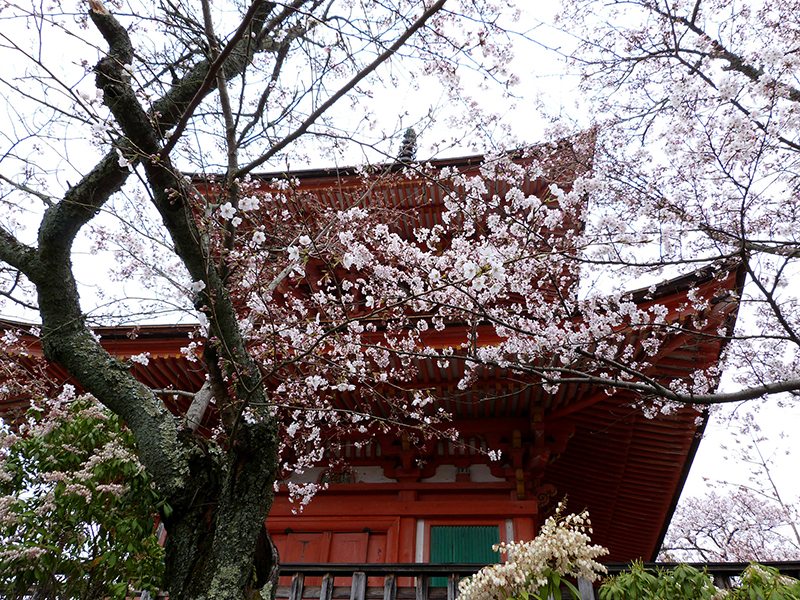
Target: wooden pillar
column 326, row 589
column 358, row 589
column 390, row 587
column 421, row 588
column 296, row 591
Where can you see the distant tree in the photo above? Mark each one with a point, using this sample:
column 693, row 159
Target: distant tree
column 734, row 525
column 749, row 520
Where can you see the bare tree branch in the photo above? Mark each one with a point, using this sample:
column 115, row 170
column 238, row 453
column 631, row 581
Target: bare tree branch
column 345, row 89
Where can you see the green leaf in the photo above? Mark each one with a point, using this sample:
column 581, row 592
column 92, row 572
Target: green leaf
column 118, row 524
column 573, row 590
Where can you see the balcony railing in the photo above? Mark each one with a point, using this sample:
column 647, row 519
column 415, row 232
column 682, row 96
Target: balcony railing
column 419, row 581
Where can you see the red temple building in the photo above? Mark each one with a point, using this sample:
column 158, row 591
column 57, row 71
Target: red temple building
column 448, row 503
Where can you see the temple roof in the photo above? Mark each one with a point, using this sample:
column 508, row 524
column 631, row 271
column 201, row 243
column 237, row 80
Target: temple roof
column 597, row 448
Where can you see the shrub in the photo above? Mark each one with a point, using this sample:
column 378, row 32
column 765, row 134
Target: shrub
column 537, row 568
column 76, row 506
column 684, row 582
column 680, row 583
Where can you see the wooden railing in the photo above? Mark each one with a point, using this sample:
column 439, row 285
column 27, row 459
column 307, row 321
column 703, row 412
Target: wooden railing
column 362, row 581
column 413, row 581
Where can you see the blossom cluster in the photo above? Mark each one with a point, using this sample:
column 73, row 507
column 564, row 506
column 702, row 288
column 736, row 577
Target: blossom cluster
column 561, row 548
column 340, row 298
column 70, row 462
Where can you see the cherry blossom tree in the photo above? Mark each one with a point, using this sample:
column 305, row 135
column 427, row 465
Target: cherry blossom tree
column 105, row 95
column 747, row 519
column 699, row 164
column 698, row 156
column 303, row 303
column 700, row 102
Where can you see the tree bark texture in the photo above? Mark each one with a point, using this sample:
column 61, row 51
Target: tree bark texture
column 218, row 496
column 218, row 499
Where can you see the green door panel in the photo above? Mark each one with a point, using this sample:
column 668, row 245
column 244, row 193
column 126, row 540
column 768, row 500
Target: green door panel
column 462, row 544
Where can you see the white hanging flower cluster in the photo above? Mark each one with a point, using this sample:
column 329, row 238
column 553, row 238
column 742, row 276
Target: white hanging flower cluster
column 562, row 548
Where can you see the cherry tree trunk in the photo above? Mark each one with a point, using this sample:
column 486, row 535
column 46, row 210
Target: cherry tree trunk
column 218, row 496
column 216, row 528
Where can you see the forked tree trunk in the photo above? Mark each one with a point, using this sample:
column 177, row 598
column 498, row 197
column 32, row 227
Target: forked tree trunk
column 218, row 499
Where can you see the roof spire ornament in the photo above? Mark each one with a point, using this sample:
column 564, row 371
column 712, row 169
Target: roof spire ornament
column 408, row 147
